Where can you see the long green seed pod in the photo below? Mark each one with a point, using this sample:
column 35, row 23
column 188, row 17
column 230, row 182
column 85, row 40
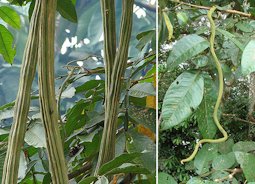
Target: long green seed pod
column 47, row 96
column 220, row 93
column 21, row 108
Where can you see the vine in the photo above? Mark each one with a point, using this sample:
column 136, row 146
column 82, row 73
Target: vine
column 47, row 95
column 115, row 64
column 39, row 47
column 220, row 92
column 18, row 129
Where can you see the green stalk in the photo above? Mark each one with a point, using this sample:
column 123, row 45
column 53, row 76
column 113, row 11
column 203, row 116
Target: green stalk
column 114, row 73
column 109, row 22
column 47, row 96
column 17, row 133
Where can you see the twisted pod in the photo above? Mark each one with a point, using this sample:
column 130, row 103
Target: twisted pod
column 220, row 92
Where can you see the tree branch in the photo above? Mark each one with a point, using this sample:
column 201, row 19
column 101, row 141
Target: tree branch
column 208, row 8
column 230, row 176
column 80, row 171
column 233, row 116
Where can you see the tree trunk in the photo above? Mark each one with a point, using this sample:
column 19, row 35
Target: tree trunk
column 115, row 65
column 47, row 96
column 21, row 108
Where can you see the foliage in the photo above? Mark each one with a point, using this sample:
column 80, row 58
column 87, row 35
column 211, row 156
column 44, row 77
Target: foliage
column 82, row 100
column 9, row 16
column 185, row 121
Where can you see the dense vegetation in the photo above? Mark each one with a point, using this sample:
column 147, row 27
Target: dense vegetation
column 189, row 84
column 80, row 93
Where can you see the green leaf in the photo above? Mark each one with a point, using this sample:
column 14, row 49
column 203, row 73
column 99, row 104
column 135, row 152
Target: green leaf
column 182, row 97
column 201, row 61
column 86, row 17
column 6, row 40
column 204, row 157
column 142, row 64
column 6, row 114
column 245, row 27
column 120, row 146
column 3, row 131
column 89, row 137
column 195, row 181
column 141, row 90
column 248, row 58
column 10, row 16
column 164, row 178
column 31, row 9
column 35, row 135
column 17, row 2
column 47, row 179
column 144, row 38
column 92, row 148
column 11, row 104
column 102, row 180
column 88, row 180
column 6, row 106
column 67, row 9
column 75, row 117
column 245, row 159
column 169, row 25
column 182, row 18
column 204, row 113
column 137, row 142
column 22, row 167
column 226, row 147
column 118, row 161
column 252, row 11
column 95, row 119
column 231, row 37
column 186, row 48
column 247, row 162
column 91, row 84
column 244, row 146
column 147, row 119
column 223, row 162
column 128, row 168
column 68, row 93
column 30, row 165
column 3, row 150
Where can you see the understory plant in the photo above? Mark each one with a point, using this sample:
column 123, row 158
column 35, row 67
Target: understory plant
column 206, row 101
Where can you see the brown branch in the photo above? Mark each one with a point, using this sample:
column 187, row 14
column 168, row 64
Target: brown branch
column 80, row 171
column 234, row 116
column 208, row 8
column 230, row 176
column 84, row 59
column 88, row 72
